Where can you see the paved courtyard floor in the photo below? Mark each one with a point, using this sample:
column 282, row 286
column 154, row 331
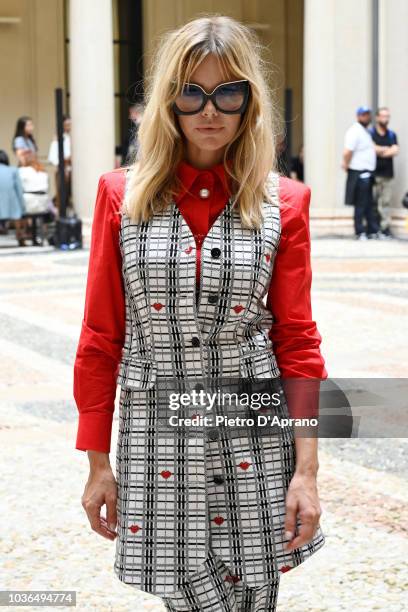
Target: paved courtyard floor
column 360, row 293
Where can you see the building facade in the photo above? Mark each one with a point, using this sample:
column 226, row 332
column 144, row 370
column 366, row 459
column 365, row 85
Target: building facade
column 326, row 58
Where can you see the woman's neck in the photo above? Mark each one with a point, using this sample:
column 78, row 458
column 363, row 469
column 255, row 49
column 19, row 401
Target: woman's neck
column 202, row 159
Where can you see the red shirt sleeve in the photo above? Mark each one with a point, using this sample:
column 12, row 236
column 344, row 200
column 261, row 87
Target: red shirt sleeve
column 294, row 334
column 103, row 327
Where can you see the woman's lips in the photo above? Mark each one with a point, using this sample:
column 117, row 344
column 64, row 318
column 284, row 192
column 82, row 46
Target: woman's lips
column 209, row 130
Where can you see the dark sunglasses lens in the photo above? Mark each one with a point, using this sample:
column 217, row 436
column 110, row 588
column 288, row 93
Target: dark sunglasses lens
column 190, row 99
column 231, row 97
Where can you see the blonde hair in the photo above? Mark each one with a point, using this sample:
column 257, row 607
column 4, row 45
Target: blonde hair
column 153, row 182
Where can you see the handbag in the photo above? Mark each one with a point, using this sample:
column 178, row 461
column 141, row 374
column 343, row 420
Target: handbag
column 35, row 189
column 36, row 203
column 33, row 181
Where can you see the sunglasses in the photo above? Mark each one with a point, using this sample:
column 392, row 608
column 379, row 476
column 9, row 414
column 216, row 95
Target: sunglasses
column 230, row 98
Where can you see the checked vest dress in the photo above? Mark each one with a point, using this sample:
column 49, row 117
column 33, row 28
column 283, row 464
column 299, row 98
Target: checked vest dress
column 181, row 489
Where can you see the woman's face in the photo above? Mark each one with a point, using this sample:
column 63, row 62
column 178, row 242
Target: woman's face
column 29, row 127
column 206, row 147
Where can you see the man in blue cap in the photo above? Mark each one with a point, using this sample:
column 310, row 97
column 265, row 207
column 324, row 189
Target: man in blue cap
column 359, row 161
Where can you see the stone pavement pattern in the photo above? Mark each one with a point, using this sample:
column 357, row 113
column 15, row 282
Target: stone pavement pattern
column 360, row 293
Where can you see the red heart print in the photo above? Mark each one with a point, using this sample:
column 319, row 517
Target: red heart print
column 165, row 473
column 233, row 579
column 238, row 308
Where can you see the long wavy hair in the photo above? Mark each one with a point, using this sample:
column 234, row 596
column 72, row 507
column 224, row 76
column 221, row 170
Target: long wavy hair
column 20, row 131
column 248, row 158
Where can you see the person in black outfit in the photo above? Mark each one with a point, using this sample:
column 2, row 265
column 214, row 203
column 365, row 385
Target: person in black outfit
column 386, row 146
column 296, row 171
column 130, row 145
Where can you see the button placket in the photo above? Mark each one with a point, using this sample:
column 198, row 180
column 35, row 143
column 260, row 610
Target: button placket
column 193, row 340
column 191, row 301
column 205, row 185
column 204, row 193
column 217, row 515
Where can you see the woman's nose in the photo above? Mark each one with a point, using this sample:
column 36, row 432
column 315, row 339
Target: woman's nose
column 209, row 108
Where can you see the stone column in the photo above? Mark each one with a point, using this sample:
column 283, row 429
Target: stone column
column 394, row 94
column 337, row 79
column 91, row 98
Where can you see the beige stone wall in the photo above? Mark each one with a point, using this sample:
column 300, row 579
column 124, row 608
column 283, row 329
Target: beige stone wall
column 32, row 50
column 337, row 79
column 31, row 66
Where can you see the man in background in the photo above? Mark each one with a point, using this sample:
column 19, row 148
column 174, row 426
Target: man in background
column 296, row 170
column 359, row 161
column 130, row 145
column 386, row 147
column 53, row 158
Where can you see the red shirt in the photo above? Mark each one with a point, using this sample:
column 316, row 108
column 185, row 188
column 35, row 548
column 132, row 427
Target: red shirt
column 294, row 334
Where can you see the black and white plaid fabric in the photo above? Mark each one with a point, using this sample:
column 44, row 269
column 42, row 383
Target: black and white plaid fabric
column 186, row 496
column 213, row 589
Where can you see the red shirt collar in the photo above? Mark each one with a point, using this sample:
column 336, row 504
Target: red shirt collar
column 188, row 174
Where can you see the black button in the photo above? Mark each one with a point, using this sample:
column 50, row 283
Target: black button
column 212, row 298
column 218, row 479
column 195, row 341
column 213, row 434
column 215, row 252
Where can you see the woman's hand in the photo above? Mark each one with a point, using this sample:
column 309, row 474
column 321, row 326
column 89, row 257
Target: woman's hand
column 101, row 489
column 302, row 498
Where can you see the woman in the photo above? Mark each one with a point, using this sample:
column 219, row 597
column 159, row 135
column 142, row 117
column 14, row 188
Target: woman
column 25, row 149
column 11, row 196
column 24, row 145
column 207, row 517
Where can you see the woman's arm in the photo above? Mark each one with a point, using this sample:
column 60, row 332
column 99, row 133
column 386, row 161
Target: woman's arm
column 296, row 342
column 294, row 334
column 24, row 154
column 103, row 327
column 98, row 354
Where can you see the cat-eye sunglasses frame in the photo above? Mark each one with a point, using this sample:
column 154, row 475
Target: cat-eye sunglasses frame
column 243, row 88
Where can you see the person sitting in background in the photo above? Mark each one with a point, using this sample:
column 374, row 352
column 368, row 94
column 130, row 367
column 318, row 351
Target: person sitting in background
column 12, row 205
